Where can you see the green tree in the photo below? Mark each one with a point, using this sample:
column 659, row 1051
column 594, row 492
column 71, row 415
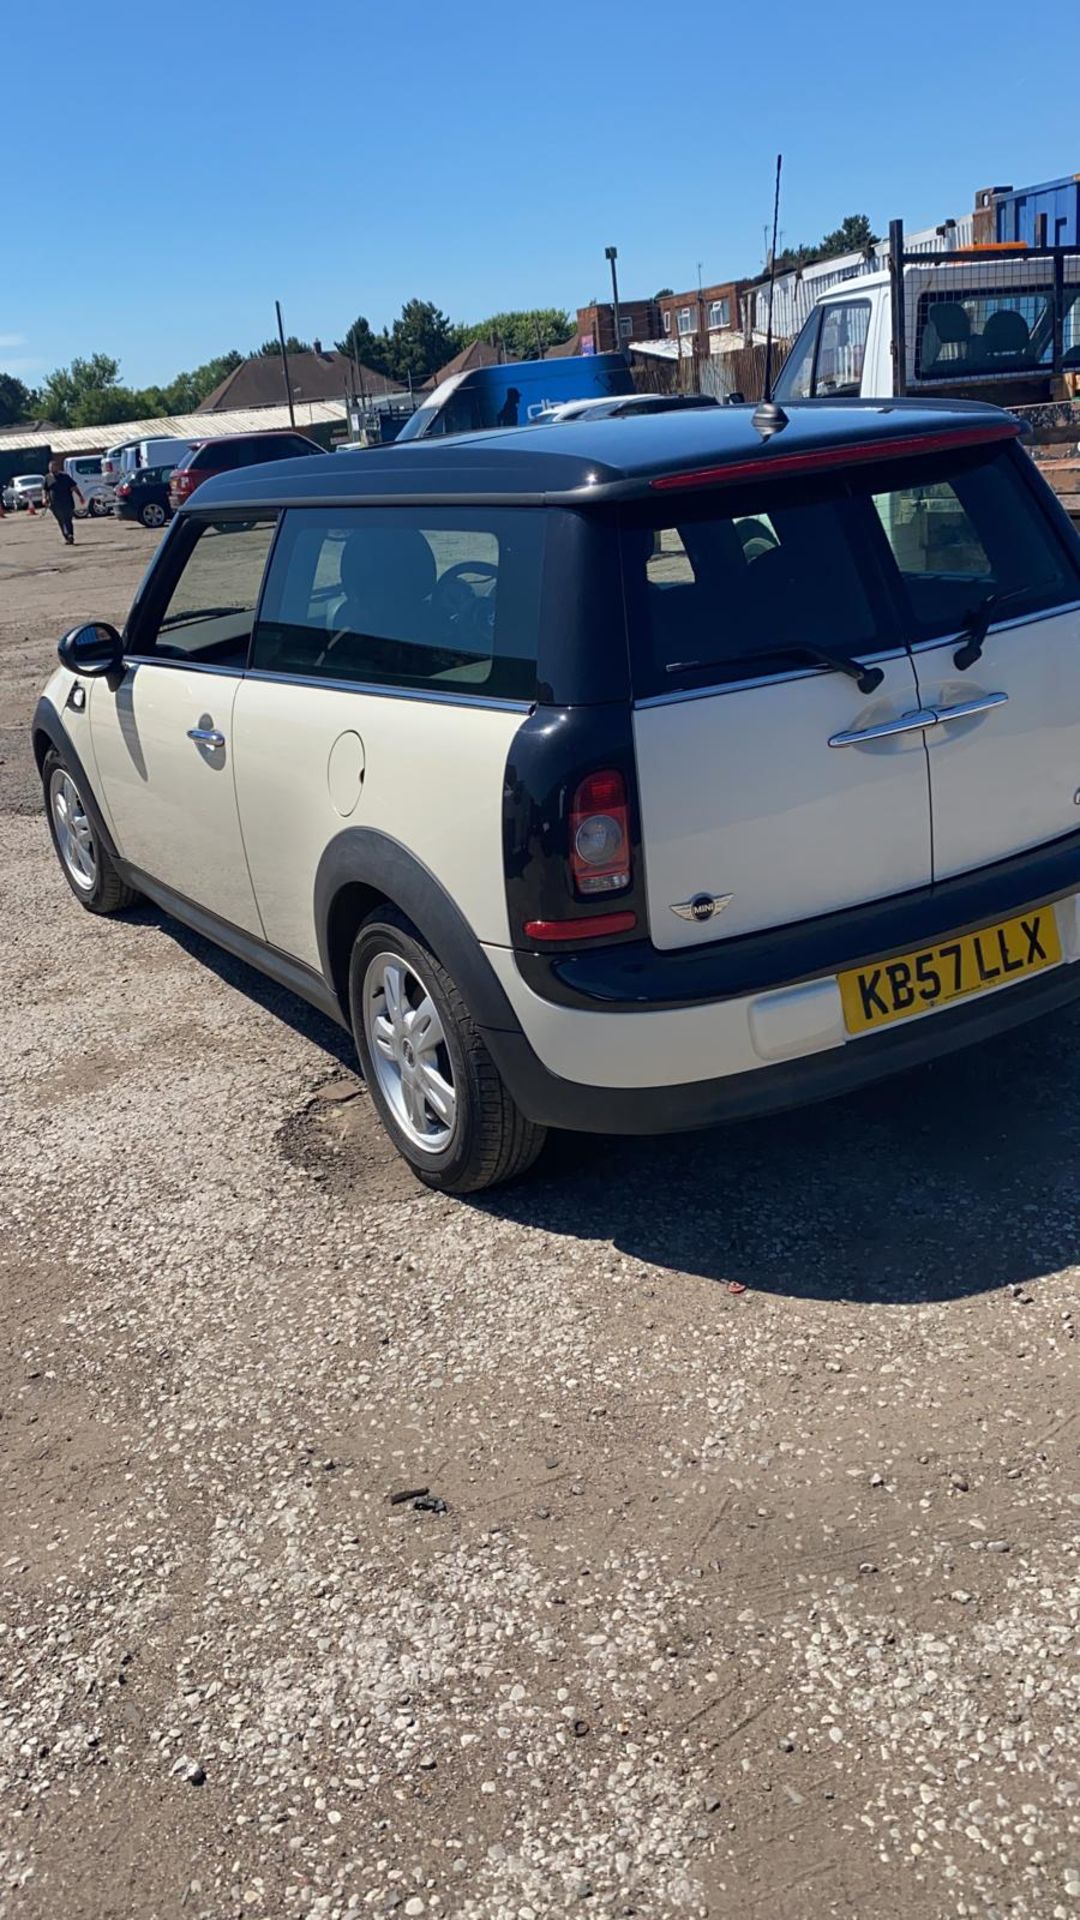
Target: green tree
column 292, row 345
column 185, row 392
column 68, row 390
column 663, row 293
column 421, row 340
column 101, row 406
column 524, row 333
column 364, row 344
column 852, row 235
column 16, row 401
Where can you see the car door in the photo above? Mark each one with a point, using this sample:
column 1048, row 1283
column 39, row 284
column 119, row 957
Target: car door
column 990, row 586
column 773, row 789
column 162, row 735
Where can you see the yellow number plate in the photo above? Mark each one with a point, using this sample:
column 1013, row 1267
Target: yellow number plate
column 912, row 983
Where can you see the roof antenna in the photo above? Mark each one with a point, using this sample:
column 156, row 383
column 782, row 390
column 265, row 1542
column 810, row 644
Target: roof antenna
column 768, row 417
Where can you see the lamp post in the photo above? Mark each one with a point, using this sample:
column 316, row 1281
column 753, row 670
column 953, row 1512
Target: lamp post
column 284, row 361
column 611, row 254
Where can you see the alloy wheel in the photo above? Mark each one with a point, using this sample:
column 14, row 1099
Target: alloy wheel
column 74, row 834
column 408, row 1049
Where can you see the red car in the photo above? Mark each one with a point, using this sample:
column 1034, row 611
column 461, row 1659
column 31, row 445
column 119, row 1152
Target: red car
column 233, row 450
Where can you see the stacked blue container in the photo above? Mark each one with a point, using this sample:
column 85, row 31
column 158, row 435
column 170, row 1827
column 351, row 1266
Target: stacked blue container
column 1018, row 211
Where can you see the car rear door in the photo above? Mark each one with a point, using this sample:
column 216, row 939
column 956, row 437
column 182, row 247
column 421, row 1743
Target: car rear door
column 989, row 577
column 162, row 735
column 773, row 788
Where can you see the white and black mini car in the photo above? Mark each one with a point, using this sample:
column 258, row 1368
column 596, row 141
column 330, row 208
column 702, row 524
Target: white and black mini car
column 620, row 775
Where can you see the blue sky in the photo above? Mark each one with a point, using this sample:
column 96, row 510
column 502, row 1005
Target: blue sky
column 197, row 160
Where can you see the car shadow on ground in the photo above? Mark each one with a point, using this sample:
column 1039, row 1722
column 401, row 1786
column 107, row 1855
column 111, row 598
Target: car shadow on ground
column 285, row 1006
column 946, row 1181
column 953, row 1179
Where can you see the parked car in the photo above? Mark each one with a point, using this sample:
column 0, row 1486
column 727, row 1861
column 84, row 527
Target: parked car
column 27, row 489
column 144, row 496
column 623, row 407
column 85, row 470
column 233, row 450
column 611, row 777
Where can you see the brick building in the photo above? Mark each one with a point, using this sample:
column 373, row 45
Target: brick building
column 703, row 320
column 638, row 320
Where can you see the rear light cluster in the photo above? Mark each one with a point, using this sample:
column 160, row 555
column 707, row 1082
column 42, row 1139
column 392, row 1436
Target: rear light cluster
column 600, row 860
column 123, row 490
column 181, row 482
column 600, row 836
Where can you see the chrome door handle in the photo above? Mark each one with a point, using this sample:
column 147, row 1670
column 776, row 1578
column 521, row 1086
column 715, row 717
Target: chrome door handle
column 905, row 723
column 206, row 736
column 985, row 704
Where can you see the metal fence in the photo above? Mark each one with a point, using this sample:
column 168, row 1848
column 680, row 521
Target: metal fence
column 971, row 317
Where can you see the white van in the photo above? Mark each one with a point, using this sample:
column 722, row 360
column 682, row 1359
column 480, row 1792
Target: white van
column 112, row 461
column 166, row 452
column 85, row 470
column 979, row 330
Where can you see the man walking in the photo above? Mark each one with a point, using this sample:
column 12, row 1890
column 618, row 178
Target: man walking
column 60, row 491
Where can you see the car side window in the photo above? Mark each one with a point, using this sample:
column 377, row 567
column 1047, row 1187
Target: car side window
column 437, row 599
column 211, row 609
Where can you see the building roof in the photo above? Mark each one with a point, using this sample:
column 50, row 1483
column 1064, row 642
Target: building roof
column 478, row 353
column 565, row 349
column 259, row 382
column 581, row 461
column 185, row 426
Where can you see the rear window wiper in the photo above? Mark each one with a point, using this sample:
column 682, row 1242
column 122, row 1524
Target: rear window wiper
column 866, row 678
column 977, row 625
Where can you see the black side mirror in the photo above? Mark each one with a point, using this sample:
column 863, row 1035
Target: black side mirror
column 92, row 650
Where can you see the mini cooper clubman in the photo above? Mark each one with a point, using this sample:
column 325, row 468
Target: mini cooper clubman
column 620, row 775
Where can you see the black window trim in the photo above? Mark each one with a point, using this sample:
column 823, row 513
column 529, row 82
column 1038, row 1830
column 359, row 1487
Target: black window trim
column 431, row 695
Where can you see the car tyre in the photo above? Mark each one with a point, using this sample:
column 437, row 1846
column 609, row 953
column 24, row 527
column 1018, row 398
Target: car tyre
column 85, row 861
column 434, row 1084
column 153, row 514
column 98, row 507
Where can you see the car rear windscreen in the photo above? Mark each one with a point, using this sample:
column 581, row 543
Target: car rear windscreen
column 736, row 584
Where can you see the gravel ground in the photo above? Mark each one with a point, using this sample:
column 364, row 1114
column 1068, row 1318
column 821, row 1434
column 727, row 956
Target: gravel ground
column 758, row 1603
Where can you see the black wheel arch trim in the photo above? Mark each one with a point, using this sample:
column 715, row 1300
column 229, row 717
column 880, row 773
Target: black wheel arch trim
column 364, row 857
column 48, row 722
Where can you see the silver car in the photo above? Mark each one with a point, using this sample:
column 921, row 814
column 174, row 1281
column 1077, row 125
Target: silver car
column 27, row 489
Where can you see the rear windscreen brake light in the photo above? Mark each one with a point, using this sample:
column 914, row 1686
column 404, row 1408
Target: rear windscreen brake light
column 766, row 465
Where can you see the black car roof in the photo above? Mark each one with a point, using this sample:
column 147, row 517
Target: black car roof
column 588, row 460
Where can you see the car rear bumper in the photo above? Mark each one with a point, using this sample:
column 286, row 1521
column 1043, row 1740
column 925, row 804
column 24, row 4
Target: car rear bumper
column 551, row 1099
column 634, row 973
